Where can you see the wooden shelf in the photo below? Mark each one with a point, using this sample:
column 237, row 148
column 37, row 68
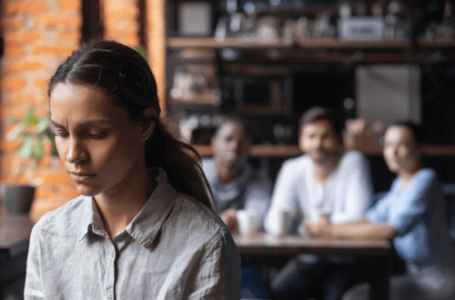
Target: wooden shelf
column 291, row 151
column 196, row 101
column 257, row 150
column 177, row 42
column 308, row 43
column 259, row 111
column 436, row 43
column 341, row 44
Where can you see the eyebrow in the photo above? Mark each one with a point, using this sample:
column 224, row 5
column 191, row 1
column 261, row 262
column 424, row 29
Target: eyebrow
column 85, row 124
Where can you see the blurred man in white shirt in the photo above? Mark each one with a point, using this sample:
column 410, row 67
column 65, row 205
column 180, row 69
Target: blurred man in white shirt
column 325, row 184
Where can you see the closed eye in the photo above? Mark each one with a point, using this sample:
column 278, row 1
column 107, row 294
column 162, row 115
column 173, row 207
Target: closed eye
column 98, row 136
column 61, row 134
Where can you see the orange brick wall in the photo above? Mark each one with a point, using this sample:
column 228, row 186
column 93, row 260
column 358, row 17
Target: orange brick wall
column 121, row 21
column 38, row 35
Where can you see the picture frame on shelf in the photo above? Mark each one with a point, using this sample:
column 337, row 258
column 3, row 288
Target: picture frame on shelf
column 195, row 19
column 196, row 83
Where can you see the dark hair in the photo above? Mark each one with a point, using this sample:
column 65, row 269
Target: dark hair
column 416, row 130
column 233, row 120
column 320, row 113
column 124, row 75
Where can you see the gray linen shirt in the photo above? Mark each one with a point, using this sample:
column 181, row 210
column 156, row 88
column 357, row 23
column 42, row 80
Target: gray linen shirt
column 250, row 191
column 175, row 248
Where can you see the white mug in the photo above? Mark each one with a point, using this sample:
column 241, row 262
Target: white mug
column 248, row 222
column 280, row 222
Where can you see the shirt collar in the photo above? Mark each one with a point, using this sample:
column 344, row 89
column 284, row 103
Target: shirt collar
column 147, row 223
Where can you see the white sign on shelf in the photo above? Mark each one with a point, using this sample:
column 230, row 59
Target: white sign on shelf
column 361, row 28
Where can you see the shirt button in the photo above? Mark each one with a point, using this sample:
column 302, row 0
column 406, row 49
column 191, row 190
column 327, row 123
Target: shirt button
column 113, row 254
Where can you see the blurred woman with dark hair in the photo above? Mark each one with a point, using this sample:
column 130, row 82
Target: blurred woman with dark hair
column 143, row 227
column 413, row 215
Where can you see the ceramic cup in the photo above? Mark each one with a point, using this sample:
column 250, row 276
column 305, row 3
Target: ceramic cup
column 280, row 222
column 248, row 222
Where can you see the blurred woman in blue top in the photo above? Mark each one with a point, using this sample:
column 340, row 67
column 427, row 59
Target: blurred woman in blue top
column 413, row 215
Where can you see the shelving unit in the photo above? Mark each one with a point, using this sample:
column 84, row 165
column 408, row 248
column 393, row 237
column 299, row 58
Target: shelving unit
column 308, row 50
column 291, row 151
column 309, row 43
column 178, row 42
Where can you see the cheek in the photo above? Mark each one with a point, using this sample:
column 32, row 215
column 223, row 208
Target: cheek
column 304, row 143
column 62, row 148
column 408, row 156
column 389, row 157
column 328, row 143
column 387, row 153
column 113, row 152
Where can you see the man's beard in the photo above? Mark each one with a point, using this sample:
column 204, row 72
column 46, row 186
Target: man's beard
column 320, row 156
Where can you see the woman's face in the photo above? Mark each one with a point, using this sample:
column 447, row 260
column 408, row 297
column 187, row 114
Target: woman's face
column 97, row 140
column 401, row 151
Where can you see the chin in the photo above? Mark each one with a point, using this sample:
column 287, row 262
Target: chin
column 88, row 191
column 393, row 168
column 319, row 158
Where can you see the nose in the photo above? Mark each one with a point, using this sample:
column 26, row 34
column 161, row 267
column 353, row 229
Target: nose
column 233, row 145
column 318, row 142
column 395, row 151
column 76, row 152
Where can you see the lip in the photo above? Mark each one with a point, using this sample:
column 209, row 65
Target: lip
column 81, row 175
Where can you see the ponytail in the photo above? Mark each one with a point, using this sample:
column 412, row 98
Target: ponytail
column 181, row 163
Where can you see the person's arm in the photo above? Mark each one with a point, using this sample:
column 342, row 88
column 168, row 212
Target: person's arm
column 358, row 191
column 362, row 229
column 33, row 289
column 229, row 217
column 415, row 201
column 219, row 276
column 284, row 195
column 257, row 197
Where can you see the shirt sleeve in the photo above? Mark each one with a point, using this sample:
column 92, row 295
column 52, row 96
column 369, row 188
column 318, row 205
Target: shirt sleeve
column 284, row 195
column 219, row 276
column 379, row 212
column 33, row 289
column 414, row 202
column 358, row 192
column 257, row 197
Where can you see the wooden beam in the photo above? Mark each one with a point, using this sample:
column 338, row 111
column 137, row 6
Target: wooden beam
column 156, row 42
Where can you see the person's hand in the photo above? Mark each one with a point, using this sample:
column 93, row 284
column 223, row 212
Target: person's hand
column 229, row 218
column 321, row 229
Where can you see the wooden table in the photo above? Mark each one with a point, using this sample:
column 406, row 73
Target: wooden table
column 377, row 250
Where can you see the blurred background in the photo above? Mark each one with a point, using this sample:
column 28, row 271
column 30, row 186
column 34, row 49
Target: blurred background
column 372, row 62
column 265, row 61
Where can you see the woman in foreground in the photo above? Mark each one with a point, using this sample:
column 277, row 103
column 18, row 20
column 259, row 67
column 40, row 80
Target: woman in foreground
column 142, row 227
column 413, row 215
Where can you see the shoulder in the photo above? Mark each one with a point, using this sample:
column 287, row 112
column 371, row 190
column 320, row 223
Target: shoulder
column 427, row 174
column 427, row 180
column 197, row 220
column 352, row 160
column 296, row 162
column 207, row 163
column 63, row 220
column 353, row 157
column 208, row 166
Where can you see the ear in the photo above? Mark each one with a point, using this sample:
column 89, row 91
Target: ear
column 300, row 141
column 213, row 144
column 419, row 151
column 147, row 123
